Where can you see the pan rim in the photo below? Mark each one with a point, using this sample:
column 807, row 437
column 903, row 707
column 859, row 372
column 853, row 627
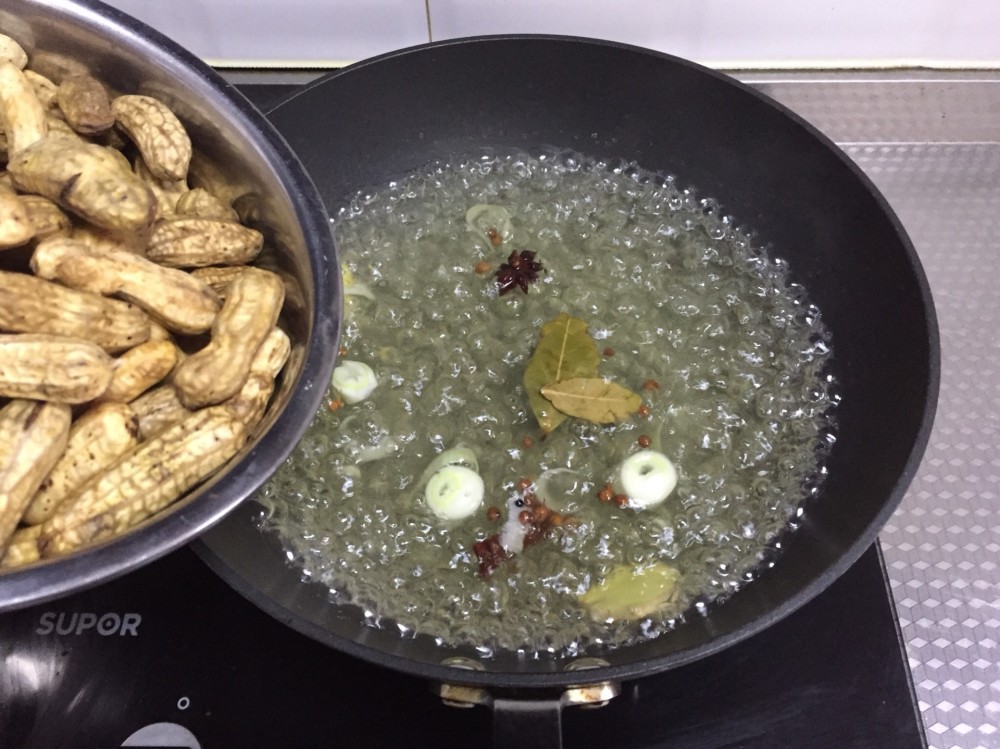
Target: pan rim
column 515, row 679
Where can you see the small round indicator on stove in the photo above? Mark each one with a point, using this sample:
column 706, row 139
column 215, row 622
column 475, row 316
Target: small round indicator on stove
column 163, row 735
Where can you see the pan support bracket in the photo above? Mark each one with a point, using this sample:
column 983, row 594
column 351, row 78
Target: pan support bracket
column 530, row 719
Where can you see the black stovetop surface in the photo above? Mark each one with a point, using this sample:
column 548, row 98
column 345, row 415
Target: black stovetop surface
column 172, row 644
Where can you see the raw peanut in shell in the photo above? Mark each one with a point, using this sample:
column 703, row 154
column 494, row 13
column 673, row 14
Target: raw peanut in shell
column 21, row 113
column 200, row 203
column 120, row 159
column 156, row 131
column 11, row 51
column 219, row 276
column 52, row 368
column 22, row 549
column 167, row 192
column 97, row 438
column 158, row 333
column 158, row 409
column 139, row 369
column 198, row 242
column 16, row 228
column 44, row 89
column 84, row 103
column 249, row 404
column 144, row 481
column 59, row 128
column 56, row 170
column 87, row 180
column 32, row 437
column 34, row 305
column 249, row 314
column 46, row 218
column 172, row 297
column 102, row 240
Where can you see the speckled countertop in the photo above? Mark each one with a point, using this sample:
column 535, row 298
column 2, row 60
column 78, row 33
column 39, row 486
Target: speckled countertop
column 930, row 141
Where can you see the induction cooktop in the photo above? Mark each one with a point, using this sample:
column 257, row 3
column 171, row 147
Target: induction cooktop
column 170, row 656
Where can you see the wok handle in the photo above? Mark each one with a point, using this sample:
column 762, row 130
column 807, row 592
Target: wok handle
column 527, row 724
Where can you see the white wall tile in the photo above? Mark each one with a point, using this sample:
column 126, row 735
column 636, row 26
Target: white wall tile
column 776, row 32
column 749, row 33
column 287, row 32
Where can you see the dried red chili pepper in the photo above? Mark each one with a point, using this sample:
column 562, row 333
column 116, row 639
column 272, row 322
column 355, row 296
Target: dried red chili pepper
column 538, row 522
column 490, row 553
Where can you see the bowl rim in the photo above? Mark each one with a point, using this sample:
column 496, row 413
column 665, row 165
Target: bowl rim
column 208, row 504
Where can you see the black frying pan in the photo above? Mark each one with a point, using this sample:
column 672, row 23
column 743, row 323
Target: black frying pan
column 799, row 194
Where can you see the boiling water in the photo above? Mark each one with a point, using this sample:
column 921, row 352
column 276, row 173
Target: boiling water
column 671, row 292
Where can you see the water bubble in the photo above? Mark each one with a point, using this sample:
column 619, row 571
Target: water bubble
column 610, row 219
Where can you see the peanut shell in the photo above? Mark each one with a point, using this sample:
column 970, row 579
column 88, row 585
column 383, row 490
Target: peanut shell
column 98, row 437
column 32, row 437
column 172, row 297
column 84, row 103
column 199, row 242
column 52, row 368
column 86, row 180
column 15, row 224
column 34, row 305
column 156, row 131
column 21, row 113
column 248, row 315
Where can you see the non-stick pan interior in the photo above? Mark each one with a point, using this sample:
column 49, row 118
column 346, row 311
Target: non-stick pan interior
column 798, row 194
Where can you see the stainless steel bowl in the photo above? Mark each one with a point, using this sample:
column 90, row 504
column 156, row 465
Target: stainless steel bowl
column 239, row 149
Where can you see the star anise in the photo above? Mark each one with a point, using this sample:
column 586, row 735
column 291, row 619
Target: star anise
column 520, row 269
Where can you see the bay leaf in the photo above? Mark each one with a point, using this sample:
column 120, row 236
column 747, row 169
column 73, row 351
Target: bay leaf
column 593, row 399
column 565, row 350
column 633, row 592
